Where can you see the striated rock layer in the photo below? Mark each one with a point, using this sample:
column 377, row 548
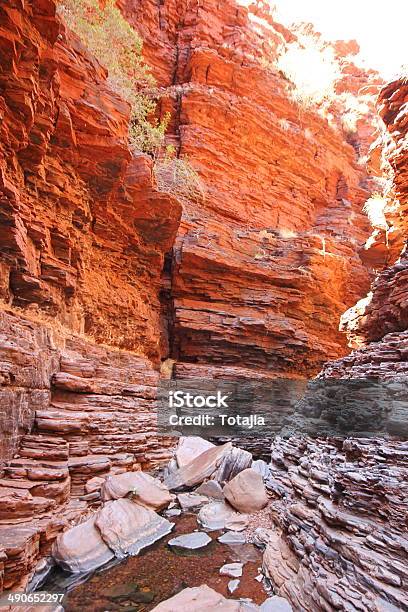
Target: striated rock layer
column 83, row 230
column 83, row 234
column 266, row 261
column 341, row 508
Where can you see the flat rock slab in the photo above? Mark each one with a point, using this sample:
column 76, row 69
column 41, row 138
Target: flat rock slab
column 189, row 501
column 81, row 549
column 173, row 512
column 233, row 570
column 231, row 538
column 191, row 541
column 127, row 527
column 276, row 604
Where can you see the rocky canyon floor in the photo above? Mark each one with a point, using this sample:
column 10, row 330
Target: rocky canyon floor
column 178, row 207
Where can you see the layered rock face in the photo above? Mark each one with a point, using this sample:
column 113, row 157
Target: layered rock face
column 83, row 235
column 262, row 265
column 341, row 510
column 257, row 276
column 342, row 507
column 83, row 229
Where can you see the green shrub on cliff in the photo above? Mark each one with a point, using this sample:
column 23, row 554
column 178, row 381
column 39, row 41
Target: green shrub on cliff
column 118, row 47
column 177, row 176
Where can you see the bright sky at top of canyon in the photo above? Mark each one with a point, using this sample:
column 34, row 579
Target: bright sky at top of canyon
column 379, row 28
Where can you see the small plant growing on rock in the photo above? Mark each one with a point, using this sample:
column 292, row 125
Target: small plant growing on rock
column 176, row 175
column 118, row 47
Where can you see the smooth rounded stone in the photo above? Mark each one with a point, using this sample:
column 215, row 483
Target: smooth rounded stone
column 233, row 585
column 232, row 463
column 246, row 492
column 233, row 570
column 127, row 527
column 261, row 467
column 232, row 538
column 144, row 489
column 190, row 447
column 191, row 541
column 237, row 523
column 198, row 599
column 212, row 489
column 214, row 515
column 81, row 549
column 276, row 604
column 198, row 470
column 189, row 501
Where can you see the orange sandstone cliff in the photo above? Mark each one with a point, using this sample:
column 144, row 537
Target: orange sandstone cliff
column 103, row 275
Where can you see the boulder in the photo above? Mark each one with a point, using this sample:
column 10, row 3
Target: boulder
column 145, row 490
column 246, row 492
column 214, row 515
column 198, row 470
column 81, row 549
column 232, row 463
column 190, row 447
column 190, row 541
column 127, row 527
column 199, row 599
column 212, row 489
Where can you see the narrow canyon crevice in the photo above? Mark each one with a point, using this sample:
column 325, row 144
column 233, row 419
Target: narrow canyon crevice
column 108, row 283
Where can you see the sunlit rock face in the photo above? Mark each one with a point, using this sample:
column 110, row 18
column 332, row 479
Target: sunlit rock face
column 385, row 309
column 267, row 261
column 256, row 275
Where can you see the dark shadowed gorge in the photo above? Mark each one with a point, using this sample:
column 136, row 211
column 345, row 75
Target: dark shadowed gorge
column 108, row 282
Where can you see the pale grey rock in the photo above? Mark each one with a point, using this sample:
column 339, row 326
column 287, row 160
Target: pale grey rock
column 191, row 541
column 214, row 515
column 128, row 528
column 233, row 570
column 189, row 501
column 190, row 447
column 232, row 538
column 199, row 599
column 276, row 604
column 212, row 489
column 198, row 470
column 81, row 549
column 233, row 462
column 233, row 585
column 261, row 467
